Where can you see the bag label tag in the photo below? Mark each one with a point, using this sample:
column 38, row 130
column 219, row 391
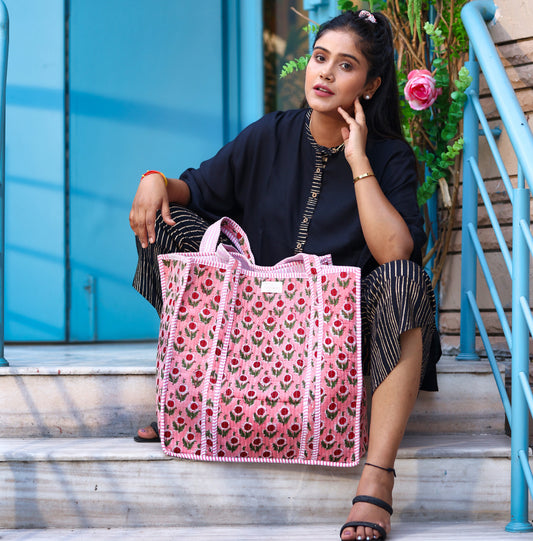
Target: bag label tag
column 271, row 286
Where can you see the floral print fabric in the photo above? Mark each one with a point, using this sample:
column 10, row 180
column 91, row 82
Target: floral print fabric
column 260, row 364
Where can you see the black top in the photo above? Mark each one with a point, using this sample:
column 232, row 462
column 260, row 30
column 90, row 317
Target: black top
column 262, row 179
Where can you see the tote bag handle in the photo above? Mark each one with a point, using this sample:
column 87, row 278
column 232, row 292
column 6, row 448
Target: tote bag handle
column 233, row 231
column 295, row 263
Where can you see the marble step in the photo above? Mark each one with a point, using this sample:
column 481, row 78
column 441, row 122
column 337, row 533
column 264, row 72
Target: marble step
column 402, row 531
column 116, row 483
column 108, row 390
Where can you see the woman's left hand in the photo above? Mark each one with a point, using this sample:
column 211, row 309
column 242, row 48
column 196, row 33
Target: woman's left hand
column 355, row 134
column 386, row 233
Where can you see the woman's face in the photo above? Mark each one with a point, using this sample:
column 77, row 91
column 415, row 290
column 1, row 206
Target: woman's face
column 337, row 73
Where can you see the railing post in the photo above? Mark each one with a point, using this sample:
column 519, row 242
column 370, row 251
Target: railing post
column 467, row 350
column 4, row 41
column 520, row 355
column 474, row 15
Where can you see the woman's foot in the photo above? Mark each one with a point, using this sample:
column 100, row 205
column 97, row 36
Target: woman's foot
column 376, row 483
column 147, row 434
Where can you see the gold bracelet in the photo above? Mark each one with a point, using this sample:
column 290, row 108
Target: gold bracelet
column 364, row 175
column 158, row 173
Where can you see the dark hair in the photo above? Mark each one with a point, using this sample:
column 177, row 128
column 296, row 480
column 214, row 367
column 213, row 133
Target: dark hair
column 382, row 112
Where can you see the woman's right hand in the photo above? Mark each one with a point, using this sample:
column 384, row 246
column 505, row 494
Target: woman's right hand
column 151, row 196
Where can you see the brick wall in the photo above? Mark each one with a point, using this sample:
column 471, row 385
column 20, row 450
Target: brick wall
column 513, row 34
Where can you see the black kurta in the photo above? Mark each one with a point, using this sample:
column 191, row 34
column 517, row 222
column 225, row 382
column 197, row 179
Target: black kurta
column 262, row 179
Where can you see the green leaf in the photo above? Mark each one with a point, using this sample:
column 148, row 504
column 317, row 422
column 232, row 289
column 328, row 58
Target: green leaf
column 345, row 5
column 311, row 28
column 299, row 64
column 425, row 191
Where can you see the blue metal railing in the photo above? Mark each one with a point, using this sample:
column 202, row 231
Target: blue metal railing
column 483, row 54
column 4, row 41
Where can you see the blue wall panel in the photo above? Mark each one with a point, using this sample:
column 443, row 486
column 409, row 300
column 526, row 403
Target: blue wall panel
column 146, row 92
column 35, row 156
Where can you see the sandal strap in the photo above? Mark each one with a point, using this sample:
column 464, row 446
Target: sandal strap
column 377, row 527
column 390, row 470
column 374, row 501
column 155, row 428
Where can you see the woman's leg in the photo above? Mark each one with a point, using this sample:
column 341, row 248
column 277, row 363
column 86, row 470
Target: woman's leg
column 185, row 236
column 392, row 403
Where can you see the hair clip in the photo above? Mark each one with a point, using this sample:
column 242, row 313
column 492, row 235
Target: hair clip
column 364, row 14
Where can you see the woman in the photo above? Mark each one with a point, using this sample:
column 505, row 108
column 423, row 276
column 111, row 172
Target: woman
column 337, row 178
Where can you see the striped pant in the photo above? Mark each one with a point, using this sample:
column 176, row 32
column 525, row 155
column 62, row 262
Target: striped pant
column 395, row 297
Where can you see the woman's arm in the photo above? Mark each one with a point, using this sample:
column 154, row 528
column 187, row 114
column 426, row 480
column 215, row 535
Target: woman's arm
column 152, row 195
column 386, row 233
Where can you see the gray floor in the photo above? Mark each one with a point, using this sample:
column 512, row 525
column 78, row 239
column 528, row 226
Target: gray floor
column 117, row 354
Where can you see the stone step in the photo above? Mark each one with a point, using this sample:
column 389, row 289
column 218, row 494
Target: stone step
column 108, row 390
column 116, row 483
column 401, row 531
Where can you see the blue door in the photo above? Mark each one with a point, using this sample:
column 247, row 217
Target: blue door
column 149, row 89
column 35, row 259
column 146, row 85
column 98, row 92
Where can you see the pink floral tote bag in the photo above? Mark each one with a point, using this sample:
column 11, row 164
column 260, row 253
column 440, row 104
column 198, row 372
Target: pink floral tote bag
column 259, row 364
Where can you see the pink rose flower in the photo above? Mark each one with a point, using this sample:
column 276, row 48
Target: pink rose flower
column 420, row 90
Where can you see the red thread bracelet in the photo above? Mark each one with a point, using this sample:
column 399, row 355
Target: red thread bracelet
column 157, row 173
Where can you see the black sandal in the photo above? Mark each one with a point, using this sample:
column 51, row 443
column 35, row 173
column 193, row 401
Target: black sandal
column 138, row 438
column 374, row 501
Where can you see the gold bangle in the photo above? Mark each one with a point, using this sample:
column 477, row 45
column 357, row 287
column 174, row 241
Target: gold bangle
column 157, row 173
column 364, row 175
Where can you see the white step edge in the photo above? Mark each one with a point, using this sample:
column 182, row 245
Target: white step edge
column 139, row 359
column 125, row 449
column 117, row 483
column 401, row 531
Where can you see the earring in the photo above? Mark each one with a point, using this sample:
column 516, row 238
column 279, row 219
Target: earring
column 367, row 96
